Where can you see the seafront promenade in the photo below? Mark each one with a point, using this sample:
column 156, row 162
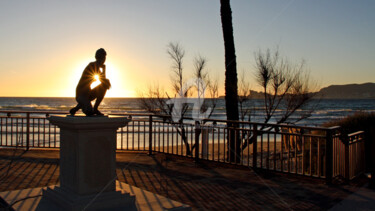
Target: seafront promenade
column 204, row 185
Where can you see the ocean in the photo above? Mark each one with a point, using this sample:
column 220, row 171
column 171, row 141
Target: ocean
column 324, row 110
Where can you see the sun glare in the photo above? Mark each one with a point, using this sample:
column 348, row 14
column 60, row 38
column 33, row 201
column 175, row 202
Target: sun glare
column 96, row 82
column 120, row 84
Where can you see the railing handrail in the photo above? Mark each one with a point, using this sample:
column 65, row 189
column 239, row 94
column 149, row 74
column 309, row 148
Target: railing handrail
column 356, row 133
column 185, row 118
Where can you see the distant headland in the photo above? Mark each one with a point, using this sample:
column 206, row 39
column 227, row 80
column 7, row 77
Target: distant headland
column 347, row 91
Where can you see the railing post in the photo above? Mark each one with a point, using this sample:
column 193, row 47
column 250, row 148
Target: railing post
column 329, row 155
column 347, row 142
column 255, row 147
column 27, row 131
column 197, row 133
column 150, row 135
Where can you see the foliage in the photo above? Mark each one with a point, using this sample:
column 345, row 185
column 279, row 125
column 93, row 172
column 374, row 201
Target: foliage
column 353, row 123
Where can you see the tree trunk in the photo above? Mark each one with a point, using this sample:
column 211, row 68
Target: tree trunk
column 231, row 95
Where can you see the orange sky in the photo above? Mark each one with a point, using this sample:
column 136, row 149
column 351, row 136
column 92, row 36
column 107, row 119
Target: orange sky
column 45, row 45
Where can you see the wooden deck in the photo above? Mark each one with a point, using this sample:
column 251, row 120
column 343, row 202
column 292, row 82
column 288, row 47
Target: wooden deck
column 204, row 186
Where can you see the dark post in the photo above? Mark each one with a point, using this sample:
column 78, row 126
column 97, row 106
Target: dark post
column 329, row 156
column 197, row 133
column 347, row 142
column 255, row 147
column 27, row 131
column 150, row 135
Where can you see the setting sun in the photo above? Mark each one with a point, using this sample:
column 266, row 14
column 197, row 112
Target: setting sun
column 96, row 82
column 121, row 84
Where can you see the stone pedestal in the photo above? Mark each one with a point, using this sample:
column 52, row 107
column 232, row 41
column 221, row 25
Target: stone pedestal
column 88, row 164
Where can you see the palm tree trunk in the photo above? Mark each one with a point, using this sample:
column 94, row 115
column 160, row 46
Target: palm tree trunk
column 231, row 93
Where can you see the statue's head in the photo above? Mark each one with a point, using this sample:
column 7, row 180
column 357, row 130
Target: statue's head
column 100, row 55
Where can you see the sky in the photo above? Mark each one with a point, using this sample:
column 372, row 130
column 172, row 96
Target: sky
column 45, row 45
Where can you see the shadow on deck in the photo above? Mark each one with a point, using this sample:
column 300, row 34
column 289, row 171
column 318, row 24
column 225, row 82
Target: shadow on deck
column 204, row 186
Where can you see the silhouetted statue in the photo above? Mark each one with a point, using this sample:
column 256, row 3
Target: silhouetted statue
column 84, row 93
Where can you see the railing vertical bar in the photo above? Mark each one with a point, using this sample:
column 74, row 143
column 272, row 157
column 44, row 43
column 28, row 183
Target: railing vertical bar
column 182, row 142
column 11, row 131
column 122, row 138
column 255, row 143
column 347, row 175
column 133, row 136
column 158, row 149
column 163, row 145
column 55, row 135
column 144, row 135
column 282, row 153
column 174, row 128
column 197, row 130
column 288, row 161
column 139, row 135
column 295, row 154
column 218, row 144
column 6, row 129
column 310, row 148
column 268, row 152
column 319, row 160
column 44, row 132
column 248, row 147
column 49, row 134
column 225, row 144
column 303, row 154
column 1, row 131
column 33, row 136
column 17, row 134
column 274, row 151
column 150, row 135
column 23, row 132
column 230, row 149
column 238, row 139
column 329, row 146
column 179, row 137
column 168, row 134
column 261, row 151
column 213, row 143
column 127, row 136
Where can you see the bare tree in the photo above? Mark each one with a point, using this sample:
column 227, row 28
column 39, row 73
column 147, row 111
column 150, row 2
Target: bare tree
column 244, row 98
column 158, row 101
column 286, row 87
column 176, row 53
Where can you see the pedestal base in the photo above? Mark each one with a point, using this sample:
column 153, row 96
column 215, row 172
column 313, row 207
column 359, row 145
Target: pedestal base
column 69, row 200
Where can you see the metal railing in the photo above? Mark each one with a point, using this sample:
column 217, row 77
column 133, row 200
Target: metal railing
column 308, row 151
column 349, row 155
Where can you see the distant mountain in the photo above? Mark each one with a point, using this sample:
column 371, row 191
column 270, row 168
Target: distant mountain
column 348, row 91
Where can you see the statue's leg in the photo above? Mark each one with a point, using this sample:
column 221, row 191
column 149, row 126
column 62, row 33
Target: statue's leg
column 98, row 93
column 85, row 104
column 75, row 109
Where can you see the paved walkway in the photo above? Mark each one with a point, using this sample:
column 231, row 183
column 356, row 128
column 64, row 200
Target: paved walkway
column 204, row 186
column 362, row 199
